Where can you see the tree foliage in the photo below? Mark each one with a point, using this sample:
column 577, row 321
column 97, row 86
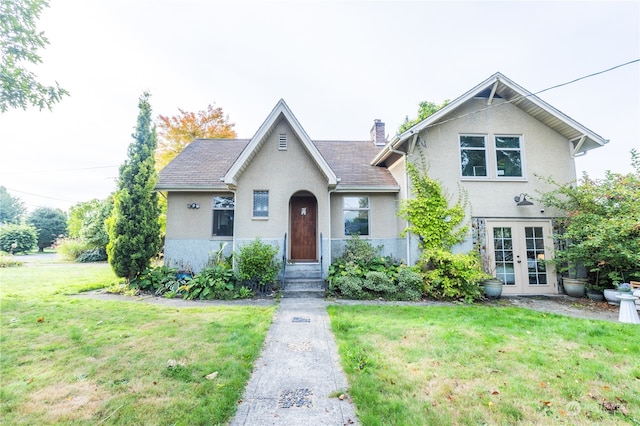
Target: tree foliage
column 430, row 217
column 178, row 131
column 19, row 44
column 134, row 229
column 439, row 226
column 11, row 208
column 17, row 238
column 601, row 226
column 425, row 109
column 49, row 224
column 87, row 221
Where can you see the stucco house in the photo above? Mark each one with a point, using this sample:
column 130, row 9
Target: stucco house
column 308, row 196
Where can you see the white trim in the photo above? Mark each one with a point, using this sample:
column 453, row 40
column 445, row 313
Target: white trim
column 495, row 80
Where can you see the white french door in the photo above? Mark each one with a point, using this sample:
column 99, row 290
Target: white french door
column 518, row 250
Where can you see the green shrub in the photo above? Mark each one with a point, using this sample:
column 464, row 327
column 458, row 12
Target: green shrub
column 98, row 254
column 159, row 280
column 349, row 286
column 359, row 251
column 72, row 248
column 361, row 273
column 451, row 276
column 378, row 282
column 410, row 284
column 17, row 238
column 257, row 262
column 217, row 282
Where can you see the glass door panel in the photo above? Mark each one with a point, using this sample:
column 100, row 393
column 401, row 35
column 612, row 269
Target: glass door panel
column 534, row 242
column 503, row 255
column 519, row 249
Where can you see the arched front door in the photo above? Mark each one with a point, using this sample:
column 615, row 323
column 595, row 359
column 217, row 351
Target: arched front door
column 303, row 213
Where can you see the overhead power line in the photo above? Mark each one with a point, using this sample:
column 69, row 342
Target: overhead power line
column 517, row 98
column 37, row 195
column 57, row 171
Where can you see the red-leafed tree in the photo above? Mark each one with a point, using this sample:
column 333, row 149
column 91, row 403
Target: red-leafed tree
column 178, row 131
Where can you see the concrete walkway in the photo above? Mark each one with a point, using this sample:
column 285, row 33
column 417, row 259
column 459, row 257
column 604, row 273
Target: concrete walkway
column 297, row 372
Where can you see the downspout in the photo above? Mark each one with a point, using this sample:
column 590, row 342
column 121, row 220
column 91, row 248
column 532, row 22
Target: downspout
column 406, row 196
column 331, row 191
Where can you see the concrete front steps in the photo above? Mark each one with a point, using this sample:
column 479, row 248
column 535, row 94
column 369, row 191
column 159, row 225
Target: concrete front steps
column 303, row 280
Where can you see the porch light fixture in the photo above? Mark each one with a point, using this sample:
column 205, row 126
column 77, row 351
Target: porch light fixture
column 521, row 200
column 193, row 206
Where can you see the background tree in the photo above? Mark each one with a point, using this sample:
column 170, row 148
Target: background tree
column 425, row 109
column 601, row 228
column 49, row 225
column 11, row 208
column 17, row 238
column 180, row 130
column 19, row 43
column 87, row 221
column 134, row 229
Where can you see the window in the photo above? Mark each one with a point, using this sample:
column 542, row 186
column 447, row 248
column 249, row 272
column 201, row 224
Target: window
column 356, row 215
column 260, row 203
column 508, row 156
column 282, row 142
column 223, row 210
column 473, row 155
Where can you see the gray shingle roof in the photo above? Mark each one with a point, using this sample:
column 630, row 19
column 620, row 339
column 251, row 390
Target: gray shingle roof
column 204, row 161
column 201, row 164
column 350, row 160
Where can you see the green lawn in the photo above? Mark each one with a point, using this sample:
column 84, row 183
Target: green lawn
column 80, row 361
column 477, row 365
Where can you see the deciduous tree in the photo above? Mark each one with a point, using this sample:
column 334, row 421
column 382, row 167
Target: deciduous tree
column 19, row 44
column 11, row 208
column 601, row 226
column 178, row 131
column 49, row 224
column 425, row 109
column 134, row 229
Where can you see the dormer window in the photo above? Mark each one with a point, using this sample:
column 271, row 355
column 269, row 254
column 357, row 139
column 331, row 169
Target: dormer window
column 282, row 142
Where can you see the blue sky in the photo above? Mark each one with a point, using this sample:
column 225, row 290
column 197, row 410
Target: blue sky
column 338, row 65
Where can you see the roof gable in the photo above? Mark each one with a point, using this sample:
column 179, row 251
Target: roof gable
column 499, row 86
column 280, row 111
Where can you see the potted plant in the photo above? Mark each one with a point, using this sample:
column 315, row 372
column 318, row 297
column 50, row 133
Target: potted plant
column 492, row 284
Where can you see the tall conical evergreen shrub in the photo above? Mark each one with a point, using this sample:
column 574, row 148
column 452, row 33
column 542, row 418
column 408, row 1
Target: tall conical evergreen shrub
column 134, row 229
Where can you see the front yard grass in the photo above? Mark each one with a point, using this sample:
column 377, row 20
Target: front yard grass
column 68, row 360
column 474, row 365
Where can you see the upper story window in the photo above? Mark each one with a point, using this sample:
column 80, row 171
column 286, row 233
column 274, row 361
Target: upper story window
column 508, row 156
column 260, row 203
column 499, row 157
column 473, row 155
column 223, row 213
column 356, row 215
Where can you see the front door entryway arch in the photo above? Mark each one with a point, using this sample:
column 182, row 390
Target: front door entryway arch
column 303, row 219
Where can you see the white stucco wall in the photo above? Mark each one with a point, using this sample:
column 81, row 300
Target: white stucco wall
column 283, row 174
column 544, row 152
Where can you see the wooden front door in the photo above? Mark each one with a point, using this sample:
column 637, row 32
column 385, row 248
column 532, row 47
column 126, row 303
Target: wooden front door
column 303, row 213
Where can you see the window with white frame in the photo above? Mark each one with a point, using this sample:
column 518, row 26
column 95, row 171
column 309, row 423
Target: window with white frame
column 260, row 203
column 223, row 212
column 356, row 215
column 473, row 155
column 508, row 156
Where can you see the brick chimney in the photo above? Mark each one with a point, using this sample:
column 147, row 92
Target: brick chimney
column 377, row 133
